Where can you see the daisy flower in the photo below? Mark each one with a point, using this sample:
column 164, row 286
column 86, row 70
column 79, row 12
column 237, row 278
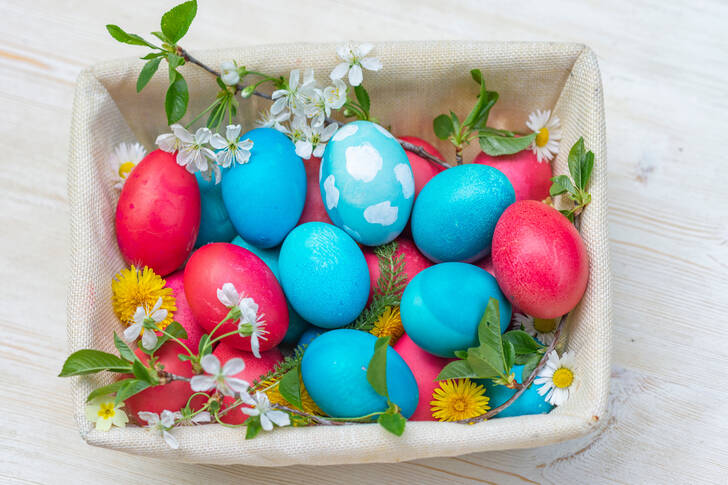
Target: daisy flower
column 542, row 329
column 294, row 96
column 229, row 73
column 162, row 424
column 269, row 120
column 220, row 378
column 231, row 149
column 143, row 316
column 389, row 324
column 193, row 154
column 314, row 138
column 322, row 102
column 458, row 399
column 104, row 413
column 354, row 59
column 171, row 142
column 123, row 160
column 245, row 310
column 132, row 288
column 546, row 144
column 268, row 415
column 556, row 378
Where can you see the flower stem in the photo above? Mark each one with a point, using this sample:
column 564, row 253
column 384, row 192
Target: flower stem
column 217, row 339
column 214, row 103
column 410, row 147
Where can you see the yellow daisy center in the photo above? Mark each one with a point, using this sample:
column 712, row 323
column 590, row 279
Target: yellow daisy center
column 458, row 399
column 563, row 377
column 132, row 288
column 543, row 137
column 270, row 387
column 106, row 410
column 389, row 324
column 125, row 169
column 544, row 325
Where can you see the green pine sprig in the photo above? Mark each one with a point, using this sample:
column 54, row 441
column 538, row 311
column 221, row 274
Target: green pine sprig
column 581, row 163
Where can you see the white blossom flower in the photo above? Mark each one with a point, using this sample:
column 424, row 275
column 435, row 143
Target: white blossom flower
column 355, row 59
column 294, row 96
column 546, row 144
column 162, row 424
column 104, row 413
column 142, row 316
column 542, row 329
column 268, row 415
column 269, row 120
column 171, row 142
column 231, row 149
column 193, row 154
column 229, row 73
column 556, row 378
column 313, row 139
column 245, row 310
column 322, row 102
column 220, row 378
column 123, row 159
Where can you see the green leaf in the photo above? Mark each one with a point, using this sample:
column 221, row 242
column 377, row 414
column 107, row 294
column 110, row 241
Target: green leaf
column 561, row 184
column 253, row 427
column 529, row 365
column 495, row 131
column 124, row 350
column 216, row 115
column 130, row 387
column 476, row 75
column 461, row 354
column 152, row 55
column 509, row 355
column 147, row 72
column 442, row 125
column 522, row 342
column 89, row 361
column 377, row 369
column 203, row 343
column 174, row 62
column 176, row 22
column 363, row 97
column 106, row 390
column 290, row 387
column 175, row 102
column 122, row 36
column 576, row 154
column 586, row 168
column 141, row 372
column 457, row 369
column 176, row 330
column 161, row 36
column 392, row 422
column 184, row 357
column 497, row 145
column 455, row 122
column 478, row 116
column 488, row 358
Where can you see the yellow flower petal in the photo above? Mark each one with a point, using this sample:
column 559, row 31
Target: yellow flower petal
column 458, row 399
column 132, row 288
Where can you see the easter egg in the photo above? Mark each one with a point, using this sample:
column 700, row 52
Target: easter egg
column 183, row 315
column 264, row 197
column 313, row 208
column 215, row 225
column 158, row 214
column 425, row 367
column 442, row 307
column 367, row 183
column 414, row 262
column 296, row 324
column 422, row 169
column 309, row 334
column 539, row 259
column 324, row 274
column 334, row 371
column 530, row 402
column 456, row 212
column 215, row 264
column 530, row 178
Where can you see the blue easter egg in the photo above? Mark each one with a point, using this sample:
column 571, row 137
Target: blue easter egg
column 324, row 274
column 442, row 307
column 456, row 212
column 265, row 196
column 366, row 183
column 215, row 225
column 309, row 334
column 530, row 402
column 334, row 372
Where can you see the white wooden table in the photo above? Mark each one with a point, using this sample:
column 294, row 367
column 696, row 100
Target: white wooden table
column 664, row 66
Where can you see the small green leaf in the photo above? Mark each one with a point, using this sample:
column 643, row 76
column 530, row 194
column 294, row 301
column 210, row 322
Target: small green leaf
column 529, row 365
column 461, row 354
column 497, row 145
column 392, row 422
column 509, row 355
column 457, row 369
column 495, row 131
column 576, row 154
column 476, row 75
column 122, row 36
column 147, row 72
column 184, row 357
column 176, row 330
column 522, row 342
column 152, row 55
column 174, row 62
column 106, row 390
column 253, row 427
column 124, row 350
column 586, row 168
column 176, row 21
column 141, row 372
column 561, row 184
column 203, row 344
column 290, row 387
column 442, row 125
column 162, row 37
column 455, row 122
column 363, row 97
column 89, row 361
column 377, row 369
column 130, row 388
column 175, row 102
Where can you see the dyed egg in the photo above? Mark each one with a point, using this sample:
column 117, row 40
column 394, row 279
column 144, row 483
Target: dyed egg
column 367, row 183
column 530, row 178
column 334, row 371
column 264, row 197
column 158, row 214
column 215, row 225
column 309, row 334
column 324, row 274
column 296, row 324
column 422, row 169
column 539, row 259
column 530, row 402
column 442, row 306
column 425, row 367
column 313, row 209
column 215, row 264
column 456, row 212
column 183, row 315
column 414, row 262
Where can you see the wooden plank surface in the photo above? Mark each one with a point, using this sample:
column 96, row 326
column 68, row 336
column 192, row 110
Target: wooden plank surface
column 664, row 66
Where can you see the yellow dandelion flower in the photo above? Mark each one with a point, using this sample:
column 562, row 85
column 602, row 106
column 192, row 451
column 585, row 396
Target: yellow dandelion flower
column 270, row 387
column 458, row 399
column 389, row 324
column 132, row 288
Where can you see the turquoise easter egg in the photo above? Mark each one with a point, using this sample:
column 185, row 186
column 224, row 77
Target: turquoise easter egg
column 296, row 324
column 442, row 307
column 264, row 197
column 457, row 210
column 366, row 183
column 334, row 371
column 309, row 334
column 215, row 225
column 324, row 274
column 530, row 402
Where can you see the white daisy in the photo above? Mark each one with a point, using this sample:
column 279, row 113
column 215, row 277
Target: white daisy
column 142, row 317
column 313, row 139
column 295, row 96
column 322, row 102
column 266, row 119
column 123, row 159
column 231, row 149
column 546, row 144
column 542, row 329
column 244, row 309
column 104, row 413
column 556, row 378
column 163, row 424
column 229, row 73
column 355, row 59
column 268, row 415
column 220, row 378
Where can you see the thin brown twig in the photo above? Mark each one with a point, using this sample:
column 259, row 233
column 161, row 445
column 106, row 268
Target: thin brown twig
column 411, row 147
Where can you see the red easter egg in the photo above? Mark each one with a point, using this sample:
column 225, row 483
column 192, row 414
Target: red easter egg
column 426, row 368
column 422, row 169
column 158, row 214
column 184, row 315
column 539, row 259
column 215, row 264
column 313, row 208
column 414, row 262
column 486, row 263
column 254, row 368
column 530, row 178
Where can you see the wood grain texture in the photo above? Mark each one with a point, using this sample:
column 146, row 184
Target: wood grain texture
column 664, row 66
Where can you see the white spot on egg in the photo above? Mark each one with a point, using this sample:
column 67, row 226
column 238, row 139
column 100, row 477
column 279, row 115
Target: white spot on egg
column 321, row 169
column 383, row 131
column 363, row 162
column 404, row 175
column 345, row 132
column 382, row 213
column 332, row 193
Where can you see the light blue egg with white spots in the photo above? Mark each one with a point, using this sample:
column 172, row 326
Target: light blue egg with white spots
column 530, row 402
column 366, row 183
column 215, row 225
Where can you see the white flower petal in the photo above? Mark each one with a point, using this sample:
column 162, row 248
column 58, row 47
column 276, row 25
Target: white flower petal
column 218, row 142
column 371, row 63
column 211, row 364
column 170, row 440
column 159, row 315
column 202, row 383
column 304, row 149
column 339, row 71
column 149, row 339
column 233, row 367
column 355, row 75
column 250, row 411
column 365, row 48
column 202, row 417
column 265, row 422
column 279, row 417
column 232, row 132
column 151, row 418
column 255, row 345
column 131, row 333
column 181, row 133
column 238, row 385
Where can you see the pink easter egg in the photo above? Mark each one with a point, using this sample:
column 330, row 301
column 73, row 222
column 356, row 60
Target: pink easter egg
column 414, row 262
column 540, row 260
column 215, row 264
column 422, row 169
column 184, row 315
column 313, row 208
column 158, row 214
column 530, row 178
column 426, row 368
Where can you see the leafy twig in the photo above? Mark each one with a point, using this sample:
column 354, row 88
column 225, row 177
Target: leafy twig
column 411, row 147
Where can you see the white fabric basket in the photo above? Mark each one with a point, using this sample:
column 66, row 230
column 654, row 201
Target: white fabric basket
column 419, row 81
